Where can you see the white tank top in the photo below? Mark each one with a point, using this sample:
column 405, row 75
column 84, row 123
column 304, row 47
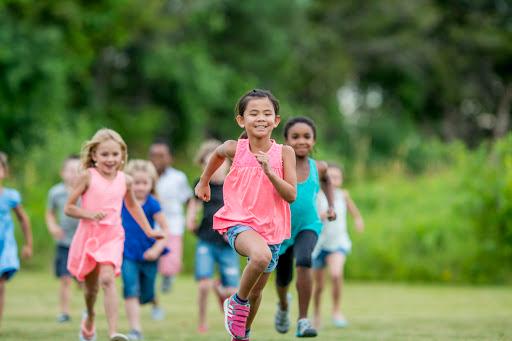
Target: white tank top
column 334, row 234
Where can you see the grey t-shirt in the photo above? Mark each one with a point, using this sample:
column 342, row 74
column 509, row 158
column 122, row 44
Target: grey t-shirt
column 57, row 197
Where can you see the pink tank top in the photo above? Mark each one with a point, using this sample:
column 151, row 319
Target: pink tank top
column 251, row 199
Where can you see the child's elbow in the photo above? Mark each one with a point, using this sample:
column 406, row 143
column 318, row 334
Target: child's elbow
column 292, row 196
column 67, row 209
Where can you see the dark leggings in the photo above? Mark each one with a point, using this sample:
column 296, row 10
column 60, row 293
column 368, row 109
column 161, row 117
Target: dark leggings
column 301, row 250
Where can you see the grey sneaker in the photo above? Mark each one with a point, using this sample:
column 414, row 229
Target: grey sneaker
column 282, row 318
column 157, row 314
column 305, row 329
column 63, row 318
column 118, row 337
column 135, row 335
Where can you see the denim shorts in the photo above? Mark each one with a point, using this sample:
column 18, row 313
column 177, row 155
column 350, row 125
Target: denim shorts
column 61, row 261
column 208, row 254
column 234, row 231
column 139, row 279
column 320, row 261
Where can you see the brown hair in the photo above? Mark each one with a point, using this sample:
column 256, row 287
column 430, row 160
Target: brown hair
column 241, row 105
column 102, row 135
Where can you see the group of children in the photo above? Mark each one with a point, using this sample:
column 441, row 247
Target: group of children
column 259, row 199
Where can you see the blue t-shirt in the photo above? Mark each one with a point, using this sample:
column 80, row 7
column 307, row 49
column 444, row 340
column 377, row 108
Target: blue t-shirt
column 136, row 242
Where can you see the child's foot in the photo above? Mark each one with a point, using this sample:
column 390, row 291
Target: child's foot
column 339, row 321
column 245, row 338
column 87, row 334
column 62, row 318
column 135, row 335
column 167, row 282
column 235, row 317
column 157, row 314
column 305, row 329
column 118, row 337
column 202, row 329
column 282, row 318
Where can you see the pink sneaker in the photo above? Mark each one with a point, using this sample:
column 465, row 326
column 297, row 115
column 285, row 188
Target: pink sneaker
column 235, row 318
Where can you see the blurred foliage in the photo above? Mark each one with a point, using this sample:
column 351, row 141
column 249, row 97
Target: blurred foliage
column 388, row 84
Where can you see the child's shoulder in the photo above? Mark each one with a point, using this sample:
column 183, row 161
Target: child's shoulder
column 57, row 188
column 10, row 195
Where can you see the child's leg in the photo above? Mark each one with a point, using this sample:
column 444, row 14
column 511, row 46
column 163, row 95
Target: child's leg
column 2, row 295
column 255, row 298
column 284, row 276
column 303, row 248
column 250, row 244
column 318, row 275
column 336, row 262
column 132, row 307
column 90, row 294
column 204, row 269
column 107, row 282
column 65, row 294
column 228, row 262
column 204, row 287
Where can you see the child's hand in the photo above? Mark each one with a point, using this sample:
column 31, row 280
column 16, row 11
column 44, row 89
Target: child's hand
column 151, row 255
column 57, row 233
column 264, row 161
column 156, row 234
column 97, row 215
column 203, row 191
column 26, row 252
column 359, row 224
column 331, row 215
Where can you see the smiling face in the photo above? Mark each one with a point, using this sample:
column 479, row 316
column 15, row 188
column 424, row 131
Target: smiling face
column 142, row 185
column 301, row 138
column 259, row 118
column 107, row 157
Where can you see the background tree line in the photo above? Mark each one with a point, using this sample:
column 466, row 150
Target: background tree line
column 392, row 85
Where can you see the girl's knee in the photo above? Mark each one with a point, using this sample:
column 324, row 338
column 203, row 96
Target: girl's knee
column 304, row 261
column 106, row 280
column 261, row 259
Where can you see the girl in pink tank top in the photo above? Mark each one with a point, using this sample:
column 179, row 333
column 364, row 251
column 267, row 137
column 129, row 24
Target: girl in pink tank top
column 255, row 218
column 96, row 251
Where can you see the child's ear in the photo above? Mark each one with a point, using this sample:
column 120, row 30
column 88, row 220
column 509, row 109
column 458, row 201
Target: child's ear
column 277, row 121
column 240, row 121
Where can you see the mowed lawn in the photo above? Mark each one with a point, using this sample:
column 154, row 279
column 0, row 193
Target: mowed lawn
column 377, row 311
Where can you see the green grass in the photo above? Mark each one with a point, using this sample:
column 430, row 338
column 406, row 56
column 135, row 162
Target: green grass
column 377, row 311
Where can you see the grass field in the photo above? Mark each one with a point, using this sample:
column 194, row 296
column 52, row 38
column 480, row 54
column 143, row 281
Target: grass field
column 377, row 311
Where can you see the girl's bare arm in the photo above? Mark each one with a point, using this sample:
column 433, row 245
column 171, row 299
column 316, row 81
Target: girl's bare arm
column 225, row 150
column 27, row 230
column 286, row 186
column 354, row 211
column 137, row 213
column 71, row 208
column 325, row 183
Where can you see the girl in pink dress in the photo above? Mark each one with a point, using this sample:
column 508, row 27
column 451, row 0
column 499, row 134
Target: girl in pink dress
column 96, row 252
column 255, row 218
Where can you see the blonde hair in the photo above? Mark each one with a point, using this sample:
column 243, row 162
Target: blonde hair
column 138, row 165
column 102, row 135
column 4, row 163
column 206, row 148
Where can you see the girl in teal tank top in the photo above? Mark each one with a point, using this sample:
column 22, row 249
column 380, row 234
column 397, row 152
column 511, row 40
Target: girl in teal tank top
column 300, row 134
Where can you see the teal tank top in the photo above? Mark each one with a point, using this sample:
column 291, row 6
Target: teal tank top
column 304, row 209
